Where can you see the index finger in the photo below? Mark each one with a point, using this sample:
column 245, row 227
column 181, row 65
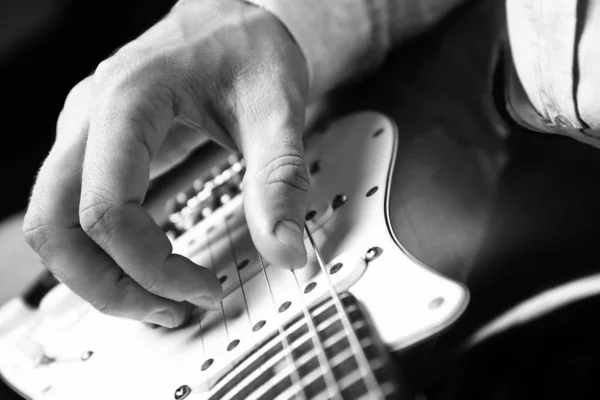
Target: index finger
column 126, row 131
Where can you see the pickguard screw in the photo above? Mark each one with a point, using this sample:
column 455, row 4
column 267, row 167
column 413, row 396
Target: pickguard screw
column 339, row 201
column 314, row 167
column 372, row 191
column 310, row 215
column 335, row 268
column 258, row 326
column 436, row 303
column 182, row 392
column 373, row 253
column 233, row 344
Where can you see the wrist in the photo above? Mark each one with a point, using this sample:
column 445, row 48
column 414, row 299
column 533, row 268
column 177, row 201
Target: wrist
column 340, row 39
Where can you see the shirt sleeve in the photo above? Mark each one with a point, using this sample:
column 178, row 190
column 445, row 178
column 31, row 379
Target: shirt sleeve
column 556, row 55
column 342, row 39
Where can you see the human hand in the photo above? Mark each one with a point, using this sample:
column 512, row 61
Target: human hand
column 224, row 68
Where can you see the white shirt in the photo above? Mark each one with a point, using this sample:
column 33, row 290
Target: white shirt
column 555, row 47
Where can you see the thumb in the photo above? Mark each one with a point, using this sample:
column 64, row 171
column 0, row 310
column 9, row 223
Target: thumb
column 276, row 183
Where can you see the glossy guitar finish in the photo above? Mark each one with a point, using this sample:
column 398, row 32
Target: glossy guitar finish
column 67, row 350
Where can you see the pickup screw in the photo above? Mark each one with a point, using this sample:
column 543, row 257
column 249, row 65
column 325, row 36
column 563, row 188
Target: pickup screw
column 339, row 201
column 373, row 253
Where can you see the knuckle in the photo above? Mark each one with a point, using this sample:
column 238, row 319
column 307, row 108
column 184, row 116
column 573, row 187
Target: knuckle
column 116, row 74
column 144, row 131
column 37, row 235
column 138, row 98
column 75, row 105
column 111, row 68
column 111, row 301
column 145, row 118
column 95, row 216
column 288, row 170
column 152, row 285
column 102, row 305
column 79, row 93
column 135, row 68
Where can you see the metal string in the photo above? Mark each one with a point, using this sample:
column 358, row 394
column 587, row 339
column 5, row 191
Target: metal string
column 212, row 265
column 284, row 341
column 324, row 364
column 201, row 333
column 198, row 308
column 370, row 380
column 239, row 276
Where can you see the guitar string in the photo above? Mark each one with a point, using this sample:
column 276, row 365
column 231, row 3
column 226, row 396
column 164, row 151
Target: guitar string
column 324, row 364
column 198, row 308
column 201, row 333
column 287, row 349
column 212, row 264
column 308, row 317
column 370, row 381
column 239, row 276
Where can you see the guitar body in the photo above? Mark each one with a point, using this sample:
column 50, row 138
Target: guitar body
column 64, row 349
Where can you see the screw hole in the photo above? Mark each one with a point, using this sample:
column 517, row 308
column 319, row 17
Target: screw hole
column 233, row 344
column 207, row 364
column 315, row 167
column 223, row 278
column 373, row 253
column 339, row 200
column 372, row 191
column 284, row 306
column 258, row 326
column 310, row 215
column 182, row 392
column 436, row 303
column 243, row 264
column 309, row 288
column 335, row 268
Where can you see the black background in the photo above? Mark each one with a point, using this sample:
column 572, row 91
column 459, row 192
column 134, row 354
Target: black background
column 37, row 72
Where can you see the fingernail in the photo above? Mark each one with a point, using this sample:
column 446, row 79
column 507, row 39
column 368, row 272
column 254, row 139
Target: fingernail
column 205, row 302
column 289, row 233
column 162, row 318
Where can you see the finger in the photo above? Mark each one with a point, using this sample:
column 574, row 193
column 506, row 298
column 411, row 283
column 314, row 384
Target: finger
column 52, row 228
column 183, row 139
column 126, row 132
column 276, row 183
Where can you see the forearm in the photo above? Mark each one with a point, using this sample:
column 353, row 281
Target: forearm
column 342, row 39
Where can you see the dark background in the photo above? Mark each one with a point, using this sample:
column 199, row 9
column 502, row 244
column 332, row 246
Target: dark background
column 46, row 47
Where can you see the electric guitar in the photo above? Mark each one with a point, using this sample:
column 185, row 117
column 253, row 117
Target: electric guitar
column 320, row 332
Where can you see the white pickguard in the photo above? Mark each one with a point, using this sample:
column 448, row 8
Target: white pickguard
column 406, row 301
